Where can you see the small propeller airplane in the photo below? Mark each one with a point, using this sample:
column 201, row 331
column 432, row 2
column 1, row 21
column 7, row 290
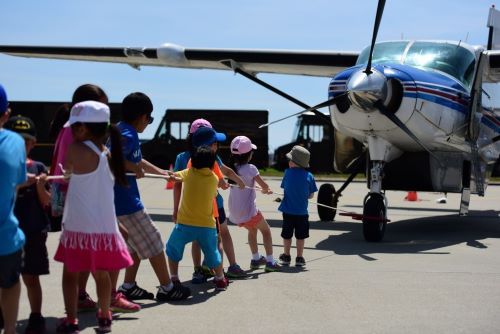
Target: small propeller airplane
column 409, row 113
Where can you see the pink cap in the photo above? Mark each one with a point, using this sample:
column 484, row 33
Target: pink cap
column 242, row 145
column 199, row 123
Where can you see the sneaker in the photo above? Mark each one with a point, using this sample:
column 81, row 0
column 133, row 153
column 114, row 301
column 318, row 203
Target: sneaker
column 207, row 271
column 272, row 266
column 300, row 261
column 64, row 327
column 103, row 323
column 221, row 284
column 235, row 271
column 285, row 259
column 120, row 304
column 85, row 303
column 256, row 264
column 136, row 292
column 36, row 324
column 178, row 292
column 198, row 276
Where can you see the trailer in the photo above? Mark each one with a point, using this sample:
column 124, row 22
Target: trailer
column 170, row 137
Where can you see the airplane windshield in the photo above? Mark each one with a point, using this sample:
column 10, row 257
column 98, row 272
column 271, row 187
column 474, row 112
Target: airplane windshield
column 387, row 52
column 452, row 59
column 449, row 58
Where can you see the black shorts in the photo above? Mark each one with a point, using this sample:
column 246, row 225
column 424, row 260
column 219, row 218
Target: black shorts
column 297, row 223
column 10, row 269
column 36, row 257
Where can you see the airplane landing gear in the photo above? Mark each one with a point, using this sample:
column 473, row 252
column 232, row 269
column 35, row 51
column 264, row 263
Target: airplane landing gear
column 374, row 217
column 374, row 206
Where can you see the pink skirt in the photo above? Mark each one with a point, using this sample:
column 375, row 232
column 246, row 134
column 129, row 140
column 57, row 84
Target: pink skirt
column 92, row 252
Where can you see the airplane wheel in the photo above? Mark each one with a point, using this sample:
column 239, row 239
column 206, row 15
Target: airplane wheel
column 374, row 207
column 326, row 196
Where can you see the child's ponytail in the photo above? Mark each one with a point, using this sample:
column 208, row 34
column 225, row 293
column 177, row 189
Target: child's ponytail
column 117, row 163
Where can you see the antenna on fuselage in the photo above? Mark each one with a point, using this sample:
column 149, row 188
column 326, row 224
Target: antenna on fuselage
column 378, row 18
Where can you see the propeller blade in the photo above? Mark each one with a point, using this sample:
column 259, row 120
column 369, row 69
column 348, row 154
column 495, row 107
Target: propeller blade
column 383, row 110
column 327, row 103
column 378, row 18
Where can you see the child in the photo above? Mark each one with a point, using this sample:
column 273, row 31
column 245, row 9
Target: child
column 90, row 240
column 242, row 207
column 181, row 162
column 13, row 169
column 299, row 186
column 195, row 219
column 143, row 239
column 32, row 201
column 60, row 127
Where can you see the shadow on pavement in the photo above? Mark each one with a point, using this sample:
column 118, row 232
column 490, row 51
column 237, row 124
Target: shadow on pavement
column 420, row 235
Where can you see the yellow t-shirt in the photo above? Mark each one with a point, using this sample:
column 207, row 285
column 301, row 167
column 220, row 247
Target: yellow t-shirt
column 198, row 191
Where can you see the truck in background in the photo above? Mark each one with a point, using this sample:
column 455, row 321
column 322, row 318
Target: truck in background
column 314, row 134
column 170, row 137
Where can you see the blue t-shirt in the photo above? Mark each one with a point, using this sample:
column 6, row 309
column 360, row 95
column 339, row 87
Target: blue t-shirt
column 181, row 162
column 298, row 185
column 13, row 171
column 127, row 198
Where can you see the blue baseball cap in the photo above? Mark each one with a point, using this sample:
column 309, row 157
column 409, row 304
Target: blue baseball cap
column 4, row 103
column 207, row 136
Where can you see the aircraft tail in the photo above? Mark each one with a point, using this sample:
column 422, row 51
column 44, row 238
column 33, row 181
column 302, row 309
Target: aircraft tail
column 494, row 33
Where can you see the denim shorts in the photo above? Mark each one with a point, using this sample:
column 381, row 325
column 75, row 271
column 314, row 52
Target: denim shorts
column 10, row 269
column 206, row 238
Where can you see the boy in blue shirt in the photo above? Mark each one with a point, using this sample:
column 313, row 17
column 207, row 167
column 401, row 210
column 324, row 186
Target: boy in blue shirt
column 13, row 171
column 142, row 236
column 299, row 186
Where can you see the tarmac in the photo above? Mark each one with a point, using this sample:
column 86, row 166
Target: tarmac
column 434, row 272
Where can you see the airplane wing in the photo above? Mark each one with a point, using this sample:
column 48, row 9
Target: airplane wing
column 313, row 63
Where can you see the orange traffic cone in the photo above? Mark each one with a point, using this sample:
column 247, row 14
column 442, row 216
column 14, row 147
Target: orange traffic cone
column 170, row 183
column 412, row 196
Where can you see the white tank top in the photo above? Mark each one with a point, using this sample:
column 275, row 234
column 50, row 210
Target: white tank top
column 89, row 206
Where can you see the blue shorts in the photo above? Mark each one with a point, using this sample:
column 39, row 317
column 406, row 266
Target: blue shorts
column 206, row 238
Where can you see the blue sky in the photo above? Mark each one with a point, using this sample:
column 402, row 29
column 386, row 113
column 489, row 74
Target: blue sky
column 265, row 24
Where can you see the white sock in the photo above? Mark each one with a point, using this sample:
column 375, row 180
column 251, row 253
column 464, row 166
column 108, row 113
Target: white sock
column 256, row 256
column 270, row 258
column 127, row 286
column 219, row 278
column 168, row 287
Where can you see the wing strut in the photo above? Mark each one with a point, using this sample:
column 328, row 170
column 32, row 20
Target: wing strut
column 237, row 69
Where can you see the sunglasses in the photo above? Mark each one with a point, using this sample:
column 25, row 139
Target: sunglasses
column 151, row 119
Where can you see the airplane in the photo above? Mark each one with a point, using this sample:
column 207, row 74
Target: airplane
column 408, row 112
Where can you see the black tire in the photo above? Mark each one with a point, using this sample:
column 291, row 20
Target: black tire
column 326, row 196
column 374, row 206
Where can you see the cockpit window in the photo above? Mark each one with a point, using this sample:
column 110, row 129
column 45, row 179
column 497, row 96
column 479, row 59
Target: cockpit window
column 453, row 59
column 386, row 52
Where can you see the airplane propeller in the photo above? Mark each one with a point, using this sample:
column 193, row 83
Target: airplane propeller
column 327, row 103
column 378, row 18
column 393, row 118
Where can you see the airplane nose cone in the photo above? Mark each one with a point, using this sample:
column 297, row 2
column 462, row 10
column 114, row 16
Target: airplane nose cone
column 365, row 89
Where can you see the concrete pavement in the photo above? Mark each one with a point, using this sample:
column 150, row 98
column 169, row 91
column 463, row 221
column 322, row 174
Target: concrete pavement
column 435, row 272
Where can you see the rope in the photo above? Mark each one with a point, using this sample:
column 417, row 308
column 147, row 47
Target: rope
column 280, row 194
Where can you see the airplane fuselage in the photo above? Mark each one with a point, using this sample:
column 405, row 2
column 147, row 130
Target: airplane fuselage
column 434, row 101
